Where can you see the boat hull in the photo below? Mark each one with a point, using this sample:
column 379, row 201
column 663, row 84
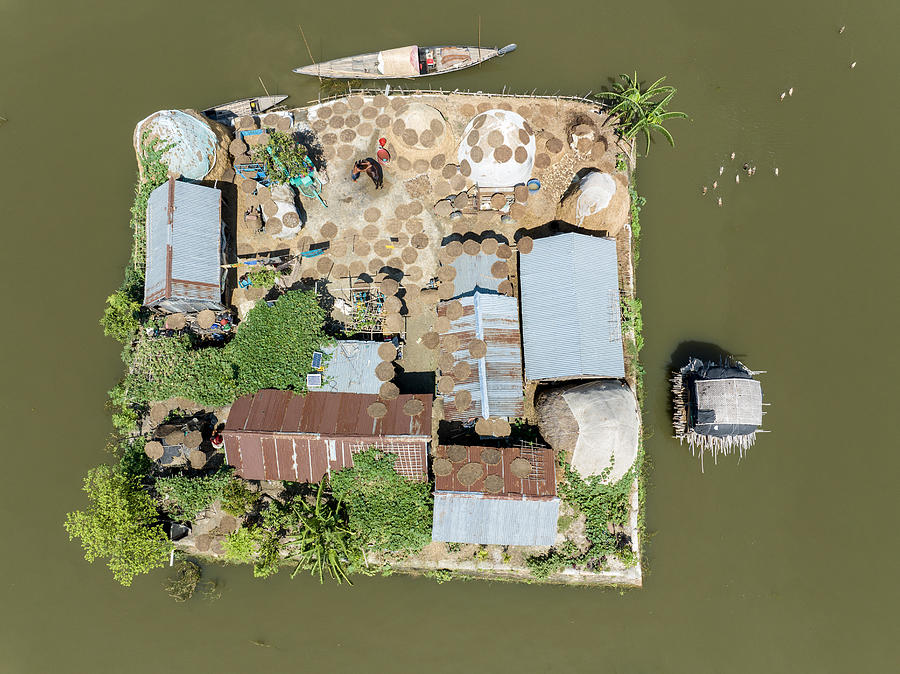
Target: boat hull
column 366, row 66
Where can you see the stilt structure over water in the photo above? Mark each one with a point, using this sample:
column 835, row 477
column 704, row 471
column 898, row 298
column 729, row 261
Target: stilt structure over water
column 716, row 406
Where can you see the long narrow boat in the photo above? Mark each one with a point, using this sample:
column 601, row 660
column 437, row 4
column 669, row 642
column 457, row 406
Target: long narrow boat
column 226, row 112
column 404, row 62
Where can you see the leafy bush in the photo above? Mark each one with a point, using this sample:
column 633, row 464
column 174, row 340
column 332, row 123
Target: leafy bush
column 237, row 499
column 264, row 278
column 121, row 524
column 632, row 321
column 168, row 367
column 282, row 157
column 554, row 561
column 120, row 318
column 132, row 459
column 240, row 545
column 601, row 503
column 272, row 348
column 386, row 510
column 185, row 497
column 274, row 345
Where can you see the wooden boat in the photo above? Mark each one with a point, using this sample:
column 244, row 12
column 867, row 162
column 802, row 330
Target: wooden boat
column 226, row 112
column 404, row 62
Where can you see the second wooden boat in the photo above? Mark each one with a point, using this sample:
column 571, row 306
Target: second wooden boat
column 226, row 112
column 404, row 62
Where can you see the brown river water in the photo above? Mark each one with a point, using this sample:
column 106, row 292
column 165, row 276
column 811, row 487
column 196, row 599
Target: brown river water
column 782, row 563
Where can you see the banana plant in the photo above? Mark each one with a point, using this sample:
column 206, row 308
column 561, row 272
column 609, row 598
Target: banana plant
column 324, row 543
column 642, row 111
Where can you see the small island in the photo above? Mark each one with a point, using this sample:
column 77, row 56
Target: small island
column 385, row 332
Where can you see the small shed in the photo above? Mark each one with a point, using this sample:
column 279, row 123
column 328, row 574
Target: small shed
column 495, row 496
column 493, row 381
column 717, row 406
column 571, row 318
column 350, row 367
column 278, row 435
column 184, row 248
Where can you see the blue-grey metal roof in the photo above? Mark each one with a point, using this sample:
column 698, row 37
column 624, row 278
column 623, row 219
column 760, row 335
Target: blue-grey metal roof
column 571, row 319
column 495, row 381
column 473, row 273
column 184, row 234
column 350, row 367
column 479, row 518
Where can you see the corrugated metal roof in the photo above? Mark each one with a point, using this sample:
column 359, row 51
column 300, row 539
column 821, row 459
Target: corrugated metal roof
column 540, row 482
column 184, row 230
column 495, row 381
column 351, row 367
column 277, row 435
column 571, row 319
column 476, row 518
column 473, row 273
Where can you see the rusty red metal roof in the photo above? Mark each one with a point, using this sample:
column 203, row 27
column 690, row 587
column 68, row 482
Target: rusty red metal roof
column 278, row 435
column 540, row 483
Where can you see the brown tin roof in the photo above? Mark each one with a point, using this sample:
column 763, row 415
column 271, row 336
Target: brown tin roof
column 278, row 435
column 540, row 483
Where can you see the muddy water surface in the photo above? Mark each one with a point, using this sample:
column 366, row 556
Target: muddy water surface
column 782, row 563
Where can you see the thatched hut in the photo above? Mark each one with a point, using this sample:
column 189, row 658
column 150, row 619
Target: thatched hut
column 716, row 406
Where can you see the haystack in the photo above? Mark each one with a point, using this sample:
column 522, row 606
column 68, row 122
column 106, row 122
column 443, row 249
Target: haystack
column 599, row 202
column 596, row 424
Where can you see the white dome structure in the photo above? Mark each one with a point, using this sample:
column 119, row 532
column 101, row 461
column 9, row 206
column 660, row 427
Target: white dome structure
column 193, row 151
column 497, row 149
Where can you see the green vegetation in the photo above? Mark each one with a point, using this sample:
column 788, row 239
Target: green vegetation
column 554, row 561
column 120, row 524
column 282, row 156
column 272, row 348
column 637, row 203
column 237, row 499
column 240, row 546
column 603, row 505
column 642, row 110
column 263, row 278
column 186, row 497
column 631, row 320
column 386, row 510
column 181, row 586
column 274, row 345
column 324, row 543
column 121, row 317
column 440, row 575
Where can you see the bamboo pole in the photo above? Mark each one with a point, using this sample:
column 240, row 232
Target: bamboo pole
column 263, row 85
column 309, row 51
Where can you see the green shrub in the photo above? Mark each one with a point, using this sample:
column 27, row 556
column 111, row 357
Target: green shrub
column 121, row 317
column 386, row 510
column 121, row 524
column 240, row 545
column 282, row 157
column 274, row 345
column 184, row 497
column 264, row 278
column 553, row 561
column 237, row 499
column 601, row 504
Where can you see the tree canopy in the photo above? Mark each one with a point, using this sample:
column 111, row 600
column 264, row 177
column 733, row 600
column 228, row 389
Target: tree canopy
column 121, row 525
column 385, row 509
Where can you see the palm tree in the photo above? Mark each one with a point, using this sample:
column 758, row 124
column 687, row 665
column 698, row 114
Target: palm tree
column 641, row 111
column 324, row 543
